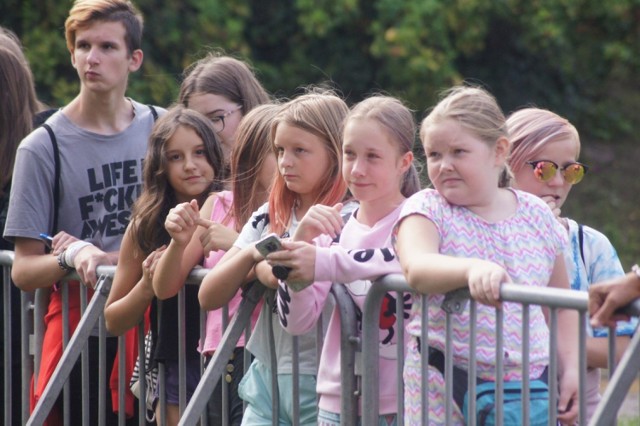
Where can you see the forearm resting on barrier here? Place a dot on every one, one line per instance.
(32, 267)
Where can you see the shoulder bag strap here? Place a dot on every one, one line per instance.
(153, 112)
(56, 182)
(581, 242)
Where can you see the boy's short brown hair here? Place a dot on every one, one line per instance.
(85, 12)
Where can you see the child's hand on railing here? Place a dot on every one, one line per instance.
(606, 297)
(484, 280)
(149, 265)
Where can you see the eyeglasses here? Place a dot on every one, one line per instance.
(545, 170)
(218, 120)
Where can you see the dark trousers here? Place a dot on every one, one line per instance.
(234, 402)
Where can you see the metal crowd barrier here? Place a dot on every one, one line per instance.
(74, 348)
(359, 362)
(554, 299)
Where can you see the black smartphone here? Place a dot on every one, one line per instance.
(269, 244)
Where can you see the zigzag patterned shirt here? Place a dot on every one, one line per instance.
(525, 244)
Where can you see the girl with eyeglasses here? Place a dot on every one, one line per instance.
(544, 160)
(472, 231)
(223, 89)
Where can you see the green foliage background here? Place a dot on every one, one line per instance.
(579, 58)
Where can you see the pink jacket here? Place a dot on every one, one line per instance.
(349, 261)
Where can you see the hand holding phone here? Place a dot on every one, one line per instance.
(267, 245)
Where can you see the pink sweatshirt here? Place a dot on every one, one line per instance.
(214, 324)
(349, 261)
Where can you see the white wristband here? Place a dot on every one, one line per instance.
(73, 249)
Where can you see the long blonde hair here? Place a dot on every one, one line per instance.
(476, 110)
(320, 112)
(253, 145)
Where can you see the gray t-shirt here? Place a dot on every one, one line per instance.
(256, 228)
(100, 178)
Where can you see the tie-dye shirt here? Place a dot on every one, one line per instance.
(526, 244)
(600, 263)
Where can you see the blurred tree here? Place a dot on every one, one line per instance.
(577, 57)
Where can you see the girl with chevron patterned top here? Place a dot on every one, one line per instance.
(473, 231)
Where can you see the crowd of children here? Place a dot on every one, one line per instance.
(228, 165)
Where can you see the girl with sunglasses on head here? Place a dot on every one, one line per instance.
(544, 160)
(472, 231)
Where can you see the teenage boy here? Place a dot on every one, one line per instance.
(101, 139)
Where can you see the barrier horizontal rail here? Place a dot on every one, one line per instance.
(554, 298)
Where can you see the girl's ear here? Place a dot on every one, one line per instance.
(405, 161)
(502, 148)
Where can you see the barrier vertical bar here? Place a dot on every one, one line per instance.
(448, 369)
(424, 358)
(401, 355)
(6, 333)
(499, 366)
(122, 356)
(84, 364)
(142, 375)
(295, 370)
(582, 361)
(41, 304)
(553, 365)
(65, 343)
(204, 419)
(473, 361)
(370, 343)
(349, 344)
(182, 354)
(27, 349)
(526, 394)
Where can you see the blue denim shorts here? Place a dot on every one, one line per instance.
(255, 390)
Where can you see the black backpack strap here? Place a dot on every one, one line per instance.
(56, 182)
(153, 112)
(581, 242)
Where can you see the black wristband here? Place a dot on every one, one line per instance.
(281, 272)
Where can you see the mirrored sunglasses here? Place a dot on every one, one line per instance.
(545, 170)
